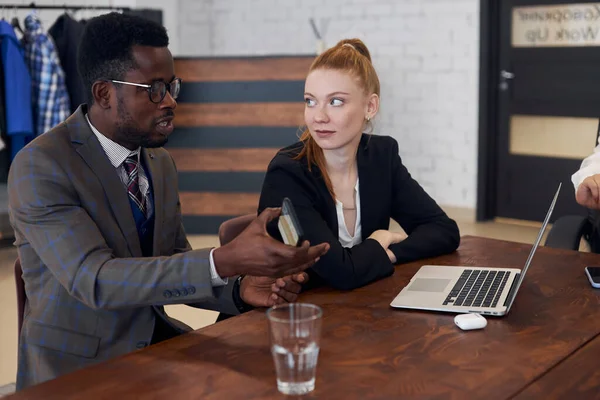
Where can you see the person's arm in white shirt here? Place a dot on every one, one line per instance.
(590, 166)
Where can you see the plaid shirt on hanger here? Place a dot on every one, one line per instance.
(49, 93)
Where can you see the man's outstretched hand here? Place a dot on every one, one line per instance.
(254, 252)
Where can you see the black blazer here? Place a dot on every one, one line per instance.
(386, 191)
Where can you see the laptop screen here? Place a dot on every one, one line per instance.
(513, 293)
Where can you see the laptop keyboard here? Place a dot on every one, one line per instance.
(478, 288)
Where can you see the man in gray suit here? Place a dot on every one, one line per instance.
(97, 219)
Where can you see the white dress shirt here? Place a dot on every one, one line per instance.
(590, 166)
(117, 154)
(346, 240)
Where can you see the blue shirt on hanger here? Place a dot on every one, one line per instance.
(50, 97)
(17, 86)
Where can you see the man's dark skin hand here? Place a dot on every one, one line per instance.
(273, 271)
(266, 292)
(253, 252)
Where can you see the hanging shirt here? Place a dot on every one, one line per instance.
(4, 155)
(19, 120)
(66, 34)
(2, 117)
(49, 92)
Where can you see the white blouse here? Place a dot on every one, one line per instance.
(344, 236)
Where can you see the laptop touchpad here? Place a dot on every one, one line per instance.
(429, 285)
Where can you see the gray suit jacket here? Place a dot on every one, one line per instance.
(91, 294)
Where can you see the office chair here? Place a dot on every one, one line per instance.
(21, 296)
(567, 232)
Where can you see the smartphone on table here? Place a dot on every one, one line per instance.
(289, 226)
(593, 274)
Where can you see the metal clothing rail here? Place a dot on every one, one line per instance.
(59, 7)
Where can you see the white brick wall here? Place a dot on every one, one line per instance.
(425, 51)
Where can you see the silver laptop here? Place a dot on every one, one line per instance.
(489, 291)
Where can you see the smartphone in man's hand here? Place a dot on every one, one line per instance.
(289, 226)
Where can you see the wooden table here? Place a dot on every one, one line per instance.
(547, 347)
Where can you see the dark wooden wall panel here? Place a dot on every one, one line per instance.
(240, 114)
(207, 203)
(243, 69)
(232, 116)
(248, 160)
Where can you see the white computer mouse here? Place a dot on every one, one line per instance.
(468, 322)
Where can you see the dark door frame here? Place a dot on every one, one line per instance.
(490, 22)
(489, 70)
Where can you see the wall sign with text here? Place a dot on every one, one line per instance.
(562, 25)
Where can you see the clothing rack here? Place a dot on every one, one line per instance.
(33, 6)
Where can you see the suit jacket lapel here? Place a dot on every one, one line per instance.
(156, 177)
(89, 148)
(367, 178)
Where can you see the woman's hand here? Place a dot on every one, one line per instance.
(387, 238)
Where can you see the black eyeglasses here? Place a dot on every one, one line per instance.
(158, 89)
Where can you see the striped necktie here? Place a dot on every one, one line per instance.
(132, 167)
